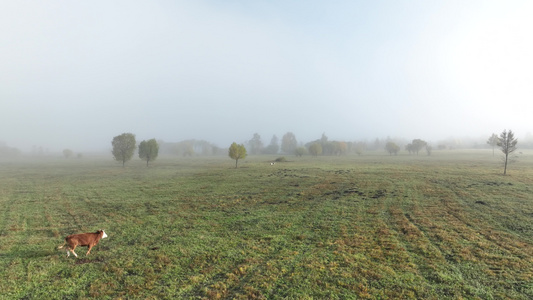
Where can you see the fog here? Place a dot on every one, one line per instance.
(74, 74)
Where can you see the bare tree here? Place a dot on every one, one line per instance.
(507, 144)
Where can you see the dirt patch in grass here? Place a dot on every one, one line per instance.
(86, 260)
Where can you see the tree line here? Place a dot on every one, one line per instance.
(124, 147)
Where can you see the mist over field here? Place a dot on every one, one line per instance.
(76, 74)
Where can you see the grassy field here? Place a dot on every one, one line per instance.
(447, 226)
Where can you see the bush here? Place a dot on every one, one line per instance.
(281, 159)
(300, 151)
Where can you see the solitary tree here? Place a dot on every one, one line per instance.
(392, 148)
(148, 150)
(493, 141)
(123, 147)
(507, 144)
(237, 152)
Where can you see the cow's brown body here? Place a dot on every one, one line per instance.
(83, 239)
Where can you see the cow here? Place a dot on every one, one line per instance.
(83, 239)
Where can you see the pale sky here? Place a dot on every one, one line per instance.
(74, 74)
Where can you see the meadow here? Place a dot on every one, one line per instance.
(445, 226)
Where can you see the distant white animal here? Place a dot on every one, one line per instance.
(272, 164)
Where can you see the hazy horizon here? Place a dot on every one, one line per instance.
(76, 74)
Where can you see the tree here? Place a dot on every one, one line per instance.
(67, 153)
(273, 148)
(300, 151)
(288, 143)
(315, 149)
(507, 144)
(342, 147)
(123, 147)
(493, 141)
(360, 147)
(392, 148)
(237, 152)
(409, 148)
(417, 145)
(148, 150)
(429, 149)
(256, 145)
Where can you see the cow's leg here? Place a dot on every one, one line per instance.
(89, 251)
(72, 249)
(68, 253)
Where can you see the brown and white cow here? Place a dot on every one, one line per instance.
(83, 239)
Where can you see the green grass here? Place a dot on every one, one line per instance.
(370, 227)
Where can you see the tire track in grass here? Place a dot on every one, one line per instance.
(460, 235)
(367, 257)
(418, 218)
(7, 206)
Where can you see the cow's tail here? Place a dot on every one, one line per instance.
(61, 247)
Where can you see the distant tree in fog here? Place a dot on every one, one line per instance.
(323, 139)
(67, 153)
(359, 148)
(6, 151)
(188, 148)
(417, 145)
(273, 148)
(340, 148)
(334, 148)
(315, 149)
(237, 152)
(256, 145)
(409, 148)
(300, 151)
(507, 144)
(392, 148)
(123, 147)
(493, 142)
(288, 143)
(148, 150)
(377, 144)
(429, 149)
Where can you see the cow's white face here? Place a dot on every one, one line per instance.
(104, 235)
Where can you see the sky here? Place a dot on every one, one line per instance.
(74, 74)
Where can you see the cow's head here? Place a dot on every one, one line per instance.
(103, 233)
